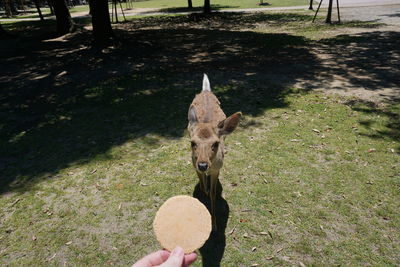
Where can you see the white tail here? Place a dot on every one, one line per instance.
(206, 83)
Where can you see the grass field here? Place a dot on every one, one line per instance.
(91, 145)
(219, 4)
(179, 5)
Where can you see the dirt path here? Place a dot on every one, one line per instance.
(367, 64)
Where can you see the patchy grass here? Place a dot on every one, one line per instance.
(89, 152)
(225, 4)
(292, 22)
(41, 29)
(323, 188)
(299, 22)
(180, 6)
(296, 22)
(32, 12)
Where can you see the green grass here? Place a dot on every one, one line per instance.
(297, 22)
(323, 196)
(308, 177)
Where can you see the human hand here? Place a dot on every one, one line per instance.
(163, 258)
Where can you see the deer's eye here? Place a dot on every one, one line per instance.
(193, 144)
(215, 146)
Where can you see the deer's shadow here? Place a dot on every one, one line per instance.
(214, 248)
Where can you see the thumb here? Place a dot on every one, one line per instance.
(175, 259)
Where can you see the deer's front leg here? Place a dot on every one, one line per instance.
(213, 198)
(203, 182)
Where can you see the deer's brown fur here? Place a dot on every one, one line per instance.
(208, 126)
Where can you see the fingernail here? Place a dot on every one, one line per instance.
(178, 251)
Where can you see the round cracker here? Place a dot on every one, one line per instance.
(182, 221)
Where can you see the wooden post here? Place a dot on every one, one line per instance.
(316, 13)
(116, 11)
(38, 9)
(51, 7)
(7, 7)
(122, 10)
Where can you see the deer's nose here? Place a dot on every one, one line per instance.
(202, 166)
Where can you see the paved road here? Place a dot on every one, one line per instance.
(361, 3)
(388, 14)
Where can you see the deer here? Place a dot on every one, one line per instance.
(208, 126)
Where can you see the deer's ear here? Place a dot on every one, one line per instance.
(192, 116)
(228, 125)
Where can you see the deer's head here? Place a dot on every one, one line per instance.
(207, 140)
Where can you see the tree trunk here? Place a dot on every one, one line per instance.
(311, 7)
(22, 6)
(207, 6)
(51, 7)
(329, 16)
(64, 21)
(190, 5)
(38, 9)
(7, 6)
(102, 31)
(14, 8)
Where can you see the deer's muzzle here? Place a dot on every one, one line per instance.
(202, 166)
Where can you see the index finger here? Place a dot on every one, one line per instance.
(189, 259)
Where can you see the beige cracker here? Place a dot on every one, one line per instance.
(182, 221)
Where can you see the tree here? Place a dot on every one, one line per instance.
(311, 7)
(207, 6)
(64, 21)
(7, 7)
(329, 16)
(21, 5)
(190, 5)
(102, 31)
(38, 9)
(51, 7)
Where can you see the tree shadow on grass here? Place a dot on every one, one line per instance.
(194, 9)
(397, 14)
(389, 111)
(64, 103)
(56, 113)
(29, 29)
(219, 20)
(34, 15)
(36, 31)
(213, 250)
(369, 60)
